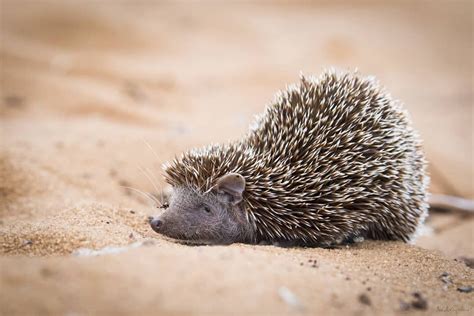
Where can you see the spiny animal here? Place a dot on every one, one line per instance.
(330, 159)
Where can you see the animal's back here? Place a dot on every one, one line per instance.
(338, 159)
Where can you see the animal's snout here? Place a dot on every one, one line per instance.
(155, 224)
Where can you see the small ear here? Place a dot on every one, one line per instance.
(232, 185)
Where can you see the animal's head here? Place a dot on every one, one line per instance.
(217, 216)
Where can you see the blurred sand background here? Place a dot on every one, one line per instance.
(85, 84)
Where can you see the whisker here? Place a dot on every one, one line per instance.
(158, 159)
(158, 183)
(147, 195)
(149, 179)
(151, 148)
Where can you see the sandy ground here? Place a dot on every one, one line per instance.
(86, 85)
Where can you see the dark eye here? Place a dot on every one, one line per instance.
(165, 206)
(207, 208)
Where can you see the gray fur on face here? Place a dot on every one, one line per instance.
(204, 218)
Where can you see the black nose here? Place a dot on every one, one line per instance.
(155, 224)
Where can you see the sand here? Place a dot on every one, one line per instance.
(88, 88)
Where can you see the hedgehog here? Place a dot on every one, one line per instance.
(332, 159)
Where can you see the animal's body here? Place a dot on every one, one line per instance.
(331, 158)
